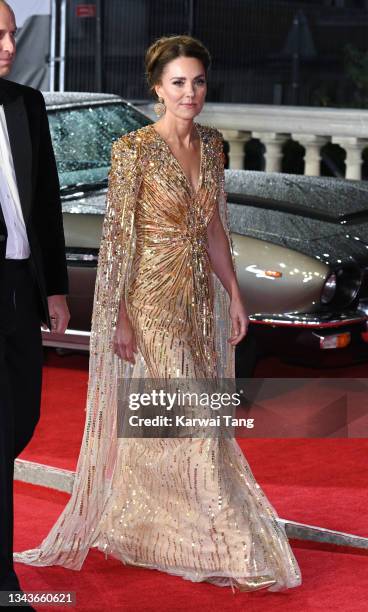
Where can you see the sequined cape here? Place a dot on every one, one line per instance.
(153, 252)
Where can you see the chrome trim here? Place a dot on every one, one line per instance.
(308, 320)
(81, 257)
(77, 104)
(82, 194)
(363, 306)
(72, 339)
(69, 105)
(330, 278)
(79, 340)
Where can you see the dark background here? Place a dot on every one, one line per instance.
(259, 54)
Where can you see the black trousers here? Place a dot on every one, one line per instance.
(20, 386)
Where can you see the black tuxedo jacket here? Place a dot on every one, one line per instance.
(38, 187)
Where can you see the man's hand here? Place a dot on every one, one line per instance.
(59, 313)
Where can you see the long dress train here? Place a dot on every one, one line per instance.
(187, 506)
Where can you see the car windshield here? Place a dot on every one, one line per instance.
(82, 139)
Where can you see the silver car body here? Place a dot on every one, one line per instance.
(286, 231)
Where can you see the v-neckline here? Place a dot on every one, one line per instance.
(193, 191)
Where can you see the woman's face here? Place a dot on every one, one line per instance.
(183, 87)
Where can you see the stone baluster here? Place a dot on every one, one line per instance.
(354, 148)
(236, 140)
(273, 143)
(312, 158)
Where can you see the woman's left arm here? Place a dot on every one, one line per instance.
(222, 264)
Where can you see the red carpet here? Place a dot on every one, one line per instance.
(59, 432)
(320, 482)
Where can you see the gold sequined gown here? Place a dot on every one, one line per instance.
(187, 506)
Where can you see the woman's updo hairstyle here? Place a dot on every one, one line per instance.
(168, 48)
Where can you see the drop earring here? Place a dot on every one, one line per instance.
(160, 107)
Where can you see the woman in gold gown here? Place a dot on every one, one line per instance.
(167, 306)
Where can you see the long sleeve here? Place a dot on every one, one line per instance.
(117, 243)
(48, 221)
(226, 352)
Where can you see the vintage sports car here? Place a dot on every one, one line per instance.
(300, 243)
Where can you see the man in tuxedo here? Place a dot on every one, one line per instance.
(33, 272)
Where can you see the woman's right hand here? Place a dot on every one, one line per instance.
(124, 340)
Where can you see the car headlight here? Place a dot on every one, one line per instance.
(329, 289)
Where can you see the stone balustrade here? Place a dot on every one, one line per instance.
(311, 127)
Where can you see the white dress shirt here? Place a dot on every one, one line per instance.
(17, 246)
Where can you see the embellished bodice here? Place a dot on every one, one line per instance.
(171, 268)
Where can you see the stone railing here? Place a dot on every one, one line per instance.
(311, 127)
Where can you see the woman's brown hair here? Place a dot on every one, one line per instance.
(168, 48)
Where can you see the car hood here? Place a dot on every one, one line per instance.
(324, 218)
